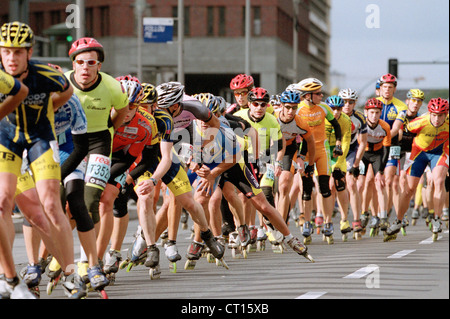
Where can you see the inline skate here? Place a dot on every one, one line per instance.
(172, 255)
(328, 231)
(152, 262)
(307, 232)
(345, 229)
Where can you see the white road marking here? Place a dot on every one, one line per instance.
(362, 272)
(402, 253)
(312, 295)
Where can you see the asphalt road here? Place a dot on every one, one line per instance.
(412, 267)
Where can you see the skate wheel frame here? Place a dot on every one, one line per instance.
(173, 267)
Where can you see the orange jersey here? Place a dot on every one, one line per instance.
(293, 129)
(378, 136)
(315, 118)
(133, 136)
(427, 136)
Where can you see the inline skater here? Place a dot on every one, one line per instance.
(430, 146)
(314, 113)
(414, 100)
(375, 158)
(294, 130)
(339, 164)
(241, 84)
(31, 127)
(358, 145)
(105, 104)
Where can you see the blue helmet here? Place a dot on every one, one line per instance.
(334, 101)
(290, 97)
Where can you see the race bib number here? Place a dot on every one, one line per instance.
(394, 152)
(98, 170)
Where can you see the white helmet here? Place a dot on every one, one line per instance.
(348, 94)
(169, 93)
(293, 87)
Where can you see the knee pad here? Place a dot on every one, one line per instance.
(268, 192)
(92, 201)
(121, 206)
(307, 187)
(75, 191)
(324, 186)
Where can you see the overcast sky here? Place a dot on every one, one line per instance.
(410, 30)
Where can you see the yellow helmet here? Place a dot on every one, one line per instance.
(16, 35)
(149, 93)
(415, 94)
(309, 85)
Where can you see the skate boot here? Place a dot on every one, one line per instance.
(234, 243)
(32, 278)
(365, 217)
(98, 280)
(54, 273)
(14, 289)
(276, 239)
(82, 269)
(414, 217)
(299, 248)
(374, 225)
(245, 239)
(193, 254)
(328, 231)
(253, 239)
(384, 224)
(318, 221)
(345, 229)
(172, 255)
(357, 228)
(74, 287)
(261, 238)
(436, 228)
(112, 265)
(307, 231)
(216, 249)
(152, 262)
(392, 231)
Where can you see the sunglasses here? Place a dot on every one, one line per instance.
(318, 93)
(288, 107)
(88, 62)
(261, 104)
(241, 93)
(349, 102)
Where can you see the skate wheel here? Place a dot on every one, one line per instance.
(307, 240)
(330, 240)
(210, 258)
(309, 257)
(103, 294)
(435, 236)
(129, 266)
(403, 231)
(344, 237)
(235, 253)
(413, 222)
(363, 232)
(173, 268)
(154, 273)
(244, 253)
(324, 238)
(221, 262)
(357, 236)
(124, 264)
(190, 265)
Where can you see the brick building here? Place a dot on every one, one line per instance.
(214, 39)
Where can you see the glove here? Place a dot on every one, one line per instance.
(354, 171)
(339, 181)
(338, 151)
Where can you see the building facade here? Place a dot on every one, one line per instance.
(214, 39)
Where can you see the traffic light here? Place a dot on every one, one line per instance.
(393, 67)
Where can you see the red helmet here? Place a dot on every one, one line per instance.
(84, 45)
(242, 81)
(388, 78)
(258, 94)
(373, 103)
(438, 105)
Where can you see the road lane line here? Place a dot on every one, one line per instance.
(361, 272)
(312, 295)
(402, 253)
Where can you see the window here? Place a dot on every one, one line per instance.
(222, 21)
(187, 30)
(210, 21)
(104, 21)
(256, 20)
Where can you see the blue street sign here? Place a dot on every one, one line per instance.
(158, 30)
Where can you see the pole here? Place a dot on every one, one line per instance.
(295, 42)
(247, 36)
(80, 31)
(139, 7)
(180, 41)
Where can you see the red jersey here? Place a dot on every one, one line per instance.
(133, 136)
